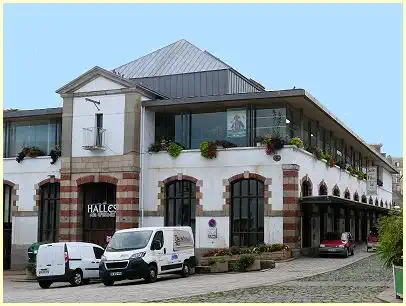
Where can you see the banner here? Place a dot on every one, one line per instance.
(236, 123)
(372, 175)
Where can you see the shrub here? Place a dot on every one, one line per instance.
(267, 139)
(390, 248)
(155, 147)
(317, 153)
(174, 150)
(208, 149)
(244, 262)
(341, 164)
(296, 141)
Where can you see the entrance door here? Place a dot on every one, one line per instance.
(98, 223)
(7, 226)
(323, 215)
(306, 227)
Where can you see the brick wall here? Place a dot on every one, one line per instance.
(291, 207)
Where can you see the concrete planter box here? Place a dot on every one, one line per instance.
(219, 267)
(204, 261)
(267, 264)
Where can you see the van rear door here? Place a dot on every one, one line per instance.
(51, 260)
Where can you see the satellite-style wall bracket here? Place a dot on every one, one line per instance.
(94, 102)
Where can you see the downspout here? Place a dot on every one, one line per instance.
(141, 181)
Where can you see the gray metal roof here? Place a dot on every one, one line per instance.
(32, 112)
(177, 58)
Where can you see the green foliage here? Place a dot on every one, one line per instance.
(155, 147)
(390, 248)
(341, 164)
(296, 141)
(244, 262)
(31, 268)
(225, 144)
(234, 250)
(318, 153)
(174, 150)
(208, 149)
(267, 139)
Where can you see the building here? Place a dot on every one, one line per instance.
(397, 183)
(107, 177)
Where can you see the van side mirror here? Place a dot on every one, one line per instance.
(156, 245)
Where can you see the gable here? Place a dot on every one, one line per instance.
(100, 83)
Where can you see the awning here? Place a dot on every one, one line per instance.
(337, 201)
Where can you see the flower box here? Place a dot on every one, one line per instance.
(267, 264)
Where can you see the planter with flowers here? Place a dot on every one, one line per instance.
(273, 144)
(296, 141)
(208, 149)
(30, 152)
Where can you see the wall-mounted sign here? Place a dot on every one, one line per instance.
(372, 175)
(276, 157)
(101, 210)
(236, 123)
(212, 222)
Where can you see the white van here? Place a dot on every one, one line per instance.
(73, 262)
(147, 252)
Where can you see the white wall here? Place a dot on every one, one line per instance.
(27, 174)
(100, 83)
(24, 230)
(273, 228)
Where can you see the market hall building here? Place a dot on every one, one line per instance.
(108, 178)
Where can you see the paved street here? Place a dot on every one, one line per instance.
(277, 285)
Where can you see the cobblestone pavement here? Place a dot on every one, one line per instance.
(359, 282)
(170, 287)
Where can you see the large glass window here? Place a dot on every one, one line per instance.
(7, 203)
(313, 134)
(306, 132)
(292, 123)
(327, 140)
(181, 204)
(42, 134)
(212, 127)
(49, 212)
(322, 137)
(270, 121)
(247, 215)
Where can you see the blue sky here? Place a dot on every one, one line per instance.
(348, 56)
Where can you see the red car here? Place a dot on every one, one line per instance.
(337, 244)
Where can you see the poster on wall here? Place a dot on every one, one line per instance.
(371, 180)
(236, 123)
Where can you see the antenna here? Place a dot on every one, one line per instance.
(94, 102)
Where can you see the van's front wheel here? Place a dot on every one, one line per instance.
(45, 284)
(152, 274)
(185, 270)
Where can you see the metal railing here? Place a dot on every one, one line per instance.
(94, 138)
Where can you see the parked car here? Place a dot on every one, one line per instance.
(73, 262)
(147, 252)
(372, 241)
(337, 244)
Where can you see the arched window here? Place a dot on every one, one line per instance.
(386, 204)
(347, 194)
(247, 213)
(181, 204)
(381, 203)
(306, 189)
(48, 212)
(336, 191)
(376, 202)
(364, 199)
(370, 200)
(323, 189)
(356, 196)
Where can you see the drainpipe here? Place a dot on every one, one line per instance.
(141, 181)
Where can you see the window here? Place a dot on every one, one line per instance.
(371, 201)
(212, 127)
(313, 134)
(7, 203)
(99, 130)
(322, 137)
(49, 212)
(159, 236)
(43, 134)
(181, 204)
(327, 141)
(363, 198)
(336, 191)
(356, 197)
(247, 215)
(323, 189)
(306, 189)
(347, 194)
(306, 131)
(270, 121)
(98, 252)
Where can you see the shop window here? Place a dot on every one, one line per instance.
(49, 212)
(370, 200)
(336, 191)
(323, 189)
(181, 204)
(347, 194)
(364, 198)
(247, 213)
(356, 197)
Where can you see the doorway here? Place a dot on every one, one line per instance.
(7, 226)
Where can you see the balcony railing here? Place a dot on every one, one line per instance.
(94, 138)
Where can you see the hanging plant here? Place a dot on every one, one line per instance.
(174, 150)
(273, 144)
(55, 154)
(208, 149)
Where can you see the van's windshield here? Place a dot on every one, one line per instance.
(127, 241)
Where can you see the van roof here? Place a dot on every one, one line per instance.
(71, 243)
(152, 228)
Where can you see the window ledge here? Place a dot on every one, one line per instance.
(26, 158)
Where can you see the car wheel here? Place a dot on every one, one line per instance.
(185, 270)
(76, 278)
(86, 281)
(45, 284)
(152, 274)
(347, 252)
(352, 252)
(108, 282)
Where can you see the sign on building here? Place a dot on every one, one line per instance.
(236, 123)
(101, 210)
(372, 175)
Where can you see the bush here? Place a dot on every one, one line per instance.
(174, 150)
(341, 164)
(390, 248)
(155, 147)
(318, 153)
(296, 141)
(244, 262)
(208, 149)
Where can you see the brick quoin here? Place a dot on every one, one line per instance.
(290, 187)
(69, 213)
(108, 179)
(85, 180)
(290, 173)
(68, 189)
(127, 188)
(127, 213)
(131, 175)
(65, 177)
(127, 201)
(68, 200)
(291, 209)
